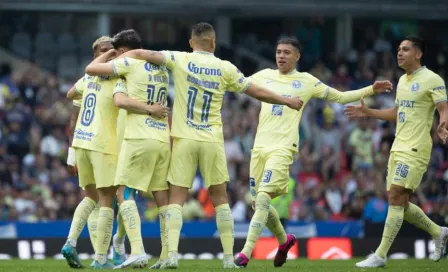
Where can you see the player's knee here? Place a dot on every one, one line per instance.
(129, 193)
(262, 201)
(397, 196)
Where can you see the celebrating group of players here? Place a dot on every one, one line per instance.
(121, 142)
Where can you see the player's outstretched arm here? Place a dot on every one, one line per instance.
(364, 111)
(100, 66)
(442, 129)
(154, 57)
(124, 102)
(352, 96)
(270, 97)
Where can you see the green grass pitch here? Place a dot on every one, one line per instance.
(300, 265)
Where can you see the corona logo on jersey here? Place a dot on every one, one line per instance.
(266, 248)
(329, 249)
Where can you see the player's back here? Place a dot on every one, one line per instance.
(201, 80)
(97, 121)
(417, 95)
(146, 83)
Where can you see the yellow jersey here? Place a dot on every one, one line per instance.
(77, 102)
(201, 80)
(145, 82)
(96, 128)
(279, 125)
(417, 95)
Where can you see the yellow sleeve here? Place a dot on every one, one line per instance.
(170, 58)
(79, 86)
(77, 103)
(120, 86)
(323, 91)
(234, 79)
(258, 77)
(438, 91)
(122, 66)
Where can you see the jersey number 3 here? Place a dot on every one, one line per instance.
(207, 97)
(89, 110)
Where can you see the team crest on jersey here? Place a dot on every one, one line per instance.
(415, 87)
(297, 84)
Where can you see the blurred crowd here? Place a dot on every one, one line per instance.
(339, 173)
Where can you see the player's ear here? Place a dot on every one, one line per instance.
(213, 43)
(191, 43)
(298, 56)
(419, 55)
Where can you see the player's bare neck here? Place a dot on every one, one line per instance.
(287, 72)
(413, 69)
(203, 49)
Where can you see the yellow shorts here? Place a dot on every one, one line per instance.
(143, 164)
(269, 170)
(405, 169)
(188, 154)
(95, 168)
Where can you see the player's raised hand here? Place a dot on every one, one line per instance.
(294, 103)
(442, 131)
(356, 111)
(382, 86)
(158, 110)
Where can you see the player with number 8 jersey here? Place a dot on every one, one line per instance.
(95, 137)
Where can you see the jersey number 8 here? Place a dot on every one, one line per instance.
(89, 110)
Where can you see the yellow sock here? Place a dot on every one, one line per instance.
(121, 230)
(258, 222)
(394, 220)
(79, 221)
(275, 226)
(104, 232)
(224, 221)
(92, 223)
(131, 219)
(163, 233)
(418, 218)
(173, 226)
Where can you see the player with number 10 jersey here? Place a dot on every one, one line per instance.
(145, 152)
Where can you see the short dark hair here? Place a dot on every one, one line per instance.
(201, 28)
(417, 42)
(292, 41)
(128, 38)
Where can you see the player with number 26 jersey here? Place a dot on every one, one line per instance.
(95, 138)
(145, 153)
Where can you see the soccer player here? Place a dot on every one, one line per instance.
(145, 153)
(277, 141)
(201, 80)
(419, 92)
(87, 210)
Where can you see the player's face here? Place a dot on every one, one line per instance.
(408, 54)
(286, 57)
(102, 48)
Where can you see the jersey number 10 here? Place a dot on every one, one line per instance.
(161, 95)
(207, 97)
